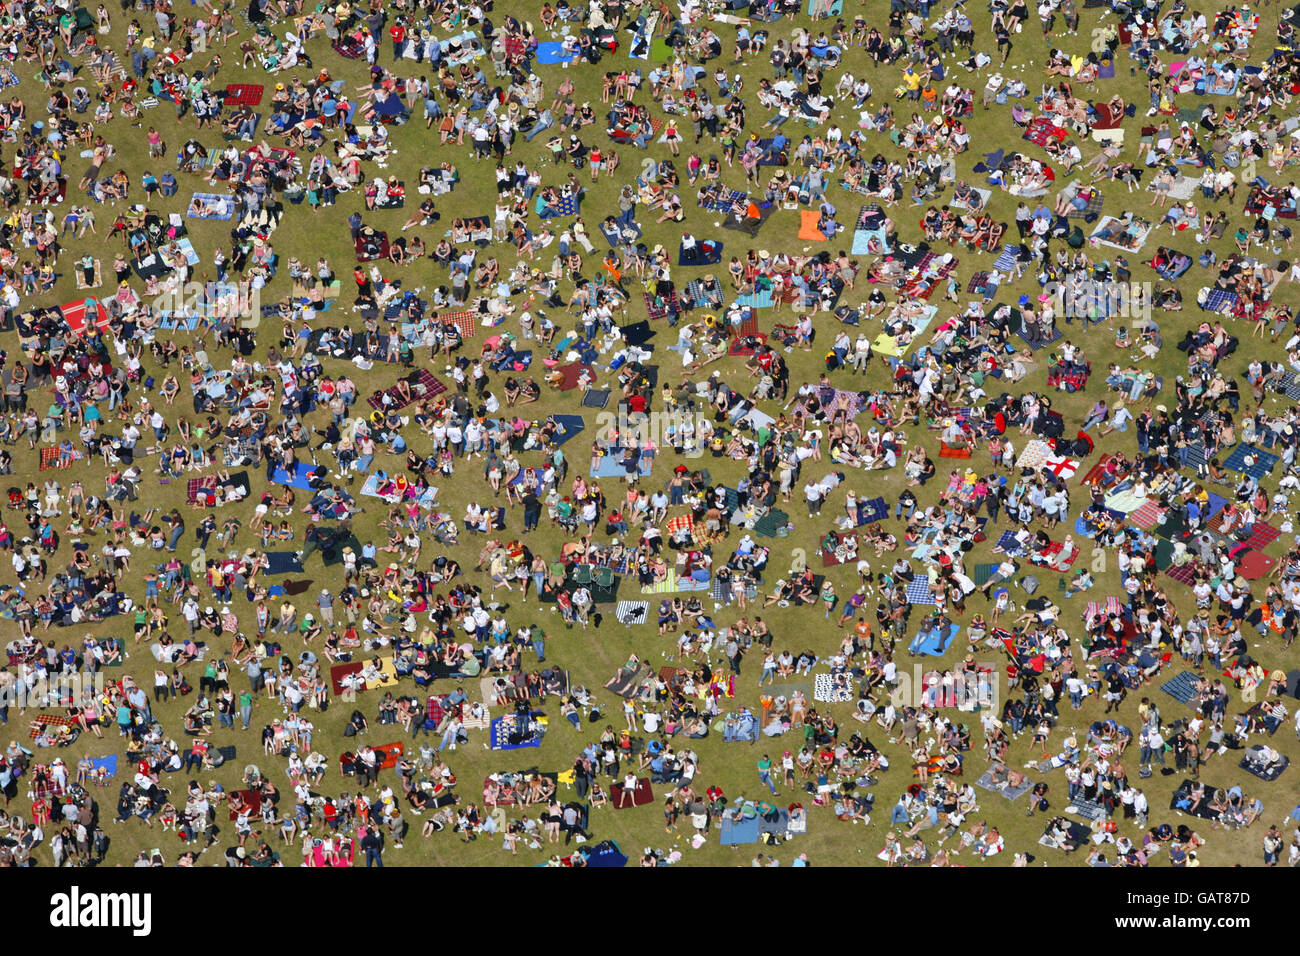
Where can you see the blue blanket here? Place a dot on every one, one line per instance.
(283, 562)
(744, 730)
(735, 832)
(502, 728)
(935, 641)
(297, 480)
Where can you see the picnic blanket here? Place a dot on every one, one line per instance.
(739, 825)
(626, 681)
(1135, 241)
(628, 613)
(243, 94)
(872, 511)
(219, 206)
(743, 728)
(1182, 688)
(933, 642)
(422, 385)
(42, 721)
(620, 799)
(827, 691)
(1254, 763)
(301, 477)
(918, 591)
(985, 782)
(506, 732)
(1251, 461)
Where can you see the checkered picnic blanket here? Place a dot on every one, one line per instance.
(1219, 300)
(927, 277)
(918, 591)
(1184, 575)
(1009, 544)
(349, 47)
(977, 281)
(871, 511)
(1288, 384)
(722, 591)
(243, 94)
(1263, 461)
(466, 322)
(725, 201)
(41, 721)
(1262, 533)
(1042, 130)
(1095, 200)
(49, 458)
(424, 386)
(694, 294)
(1146, 516)
(195, 485)
(868, 216)
(658, 308)
(1181, 687)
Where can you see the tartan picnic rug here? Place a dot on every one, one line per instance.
(195, 485)
(243, 94)
(659, 307)
(1147, 515)
(423, 385)
(1262, 533)
(41, 721)
(725, 201)
(466, 322)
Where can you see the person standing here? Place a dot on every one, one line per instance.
(246, 707)
(765, 773)
(373, 844)
(1272, 846)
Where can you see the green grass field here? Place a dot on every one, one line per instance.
(592, 656)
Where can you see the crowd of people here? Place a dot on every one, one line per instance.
(382, 486)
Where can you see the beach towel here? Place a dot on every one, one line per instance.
(552, 51)
(808, 230)
(300, 478)
(628, 613)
